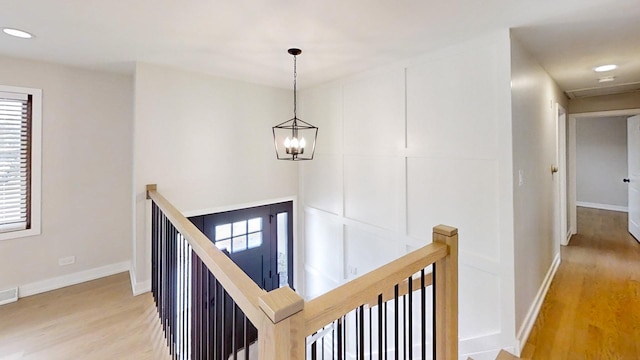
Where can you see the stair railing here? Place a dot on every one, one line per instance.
(210, 309)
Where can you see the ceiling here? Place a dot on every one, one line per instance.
(247, 39)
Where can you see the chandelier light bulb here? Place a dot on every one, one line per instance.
(303, 143)
(294, 143)
(287, 143)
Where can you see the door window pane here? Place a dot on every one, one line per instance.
(255, 224)
(239, 243)
(239, 228)
(283, 240)
(223, 232)
(255, 240)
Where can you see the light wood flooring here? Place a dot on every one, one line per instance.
(95, 320)
(592, 309)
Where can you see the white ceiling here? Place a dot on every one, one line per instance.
(247, 39)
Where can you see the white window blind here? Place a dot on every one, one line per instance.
(15, 161)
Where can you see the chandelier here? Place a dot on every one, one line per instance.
(295, 139)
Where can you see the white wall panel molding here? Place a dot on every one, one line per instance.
(480, 305)
(462, 193)
(435, 147)
(322, 180)
(479, 262)
(317, 284)
(365, 251)
(323, 244)
(374, 113)
(373, 188)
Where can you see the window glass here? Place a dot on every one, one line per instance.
(239, 243)
(255, 224)
(255, 240)
(283, 240)
(240, 228)
(223, 232)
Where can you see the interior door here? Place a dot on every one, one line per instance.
(633, 158)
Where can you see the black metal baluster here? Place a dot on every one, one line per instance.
(165, 278)
(395, 327)
(380, 323)
(410, 340)
(423, 313)
(339, 342)
(174, 292)
(361, 335)
(433, 309)
(404, 326)
(194, 307)
(314, 349)
(234, 350)
(154, 249)
(246, 338)
(370, 334)
(208, 351)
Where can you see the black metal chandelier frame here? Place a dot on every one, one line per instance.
(294, 147)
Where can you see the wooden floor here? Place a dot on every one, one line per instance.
(592, 309)
(96, 320)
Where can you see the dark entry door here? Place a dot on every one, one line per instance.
(259, 240)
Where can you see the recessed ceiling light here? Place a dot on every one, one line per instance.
(603, 68)
(17, 33)
(606, 79)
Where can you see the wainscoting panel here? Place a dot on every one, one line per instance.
(374, 113)
(322, 182)
(448, 112)
(373, 189)
(479, 306)
(323, 245)
(365, 251)
(455, 191)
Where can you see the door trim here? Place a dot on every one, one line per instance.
(298, 246)
(561, 160)
(571, 184)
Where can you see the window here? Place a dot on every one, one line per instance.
(239, 236)
(20, 148)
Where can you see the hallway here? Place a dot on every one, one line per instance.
(592, 309)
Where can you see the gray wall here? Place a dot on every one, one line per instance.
(601, 161)
(86, 177)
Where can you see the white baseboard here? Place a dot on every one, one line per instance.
(72, 279)
(534, 310)
(138, 288)
(602, 206)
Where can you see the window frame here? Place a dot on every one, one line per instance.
(36, 163)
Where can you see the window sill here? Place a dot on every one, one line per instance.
(16, 234)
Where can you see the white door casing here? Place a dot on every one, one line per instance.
(561, 221)
(633, 159)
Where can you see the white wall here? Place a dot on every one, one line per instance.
(207, 143)
(407, 147)
(86, 177)
(533, 96)
(601, 161)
